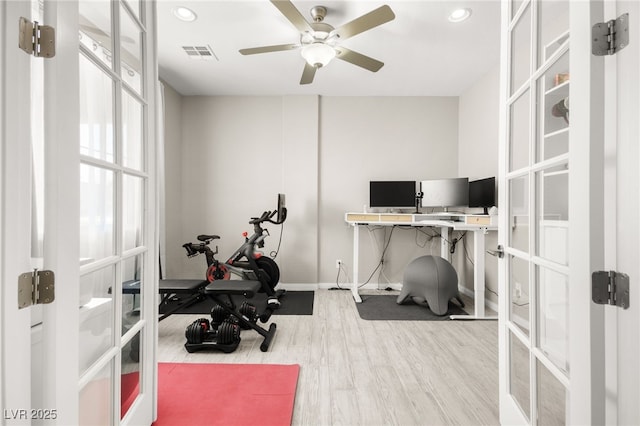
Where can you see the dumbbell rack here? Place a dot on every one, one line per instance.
(223, 332)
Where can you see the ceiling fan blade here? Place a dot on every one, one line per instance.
(376, 17)
(265, 49)
(308, 73)
(358, 59)
(293, 15)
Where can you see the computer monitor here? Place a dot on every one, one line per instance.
(482, 193)
(282, 209)
(392, 194)
(445, 193)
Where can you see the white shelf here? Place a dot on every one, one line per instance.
(558, 41)
(556, 133)
(562, 87)
(556, 173)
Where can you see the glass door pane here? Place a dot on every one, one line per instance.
(520, 132)
(133, 202)
(553, 27)
(553, 110)
(521, 51)
(130, 374)
(95, 30)
(97, 213)
(552, 397)
(519, 213)
(132, 134)
(96, 398)
(519, 293)
(96, 316)
(520, 383)
(130, 51)
(96, 118)
(553, 316)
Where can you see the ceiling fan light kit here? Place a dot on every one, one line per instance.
(320, 42)
(318, 54)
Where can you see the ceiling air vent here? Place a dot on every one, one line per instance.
(200, 52)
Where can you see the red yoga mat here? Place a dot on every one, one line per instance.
(226, 394)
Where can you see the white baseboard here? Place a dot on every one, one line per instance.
(370, 286)
(488, 303)
(298, 286)
(326, 286)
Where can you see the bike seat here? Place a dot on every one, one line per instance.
(207, 237)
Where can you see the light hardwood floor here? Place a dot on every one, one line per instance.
(357, 372)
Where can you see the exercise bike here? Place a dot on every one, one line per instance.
(246, 262)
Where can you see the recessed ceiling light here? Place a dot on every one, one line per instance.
(184, 14)
(459, 15)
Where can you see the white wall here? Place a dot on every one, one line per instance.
(478, 158)
(237, 153)
(232, 157)
(173, 180)
(381, 138)
(228, 157)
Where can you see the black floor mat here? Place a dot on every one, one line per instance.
(384, 307)
(291, 303)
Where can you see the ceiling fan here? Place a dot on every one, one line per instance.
(320, 42)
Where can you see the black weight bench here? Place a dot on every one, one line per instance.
(217, 290)
(193, 289)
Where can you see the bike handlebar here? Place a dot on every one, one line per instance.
(266, 217)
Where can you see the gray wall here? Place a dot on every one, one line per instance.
(237, 153)
(386, 138)
(228, 157)
(172, 180)
(478, 158)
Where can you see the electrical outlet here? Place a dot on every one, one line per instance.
(518, 290)
(338, 263)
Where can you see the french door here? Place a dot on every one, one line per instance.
(79, 197)
(550, 333)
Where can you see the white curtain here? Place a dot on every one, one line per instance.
(160, 176)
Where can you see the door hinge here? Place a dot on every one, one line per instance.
(608, 38)
(610, 288)
(35, 39)
(36, 288)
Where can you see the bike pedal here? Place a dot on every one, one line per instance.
(273, 303)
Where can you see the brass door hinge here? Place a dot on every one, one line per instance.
(36, 288)
(35, 39)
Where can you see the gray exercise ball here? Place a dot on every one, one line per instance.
(431, 280)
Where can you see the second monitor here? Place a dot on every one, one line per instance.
(445, 193)
(392, 194)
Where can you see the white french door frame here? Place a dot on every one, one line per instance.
(15, 181)
(586, 215)
(623, 232)
(61, 319)
(585, 382)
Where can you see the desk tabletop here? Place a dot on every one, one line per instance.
(457, 221)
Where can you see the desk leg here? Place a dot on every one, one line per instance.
(478, 272)
(356, 257)
(478, 280)
(444, 243)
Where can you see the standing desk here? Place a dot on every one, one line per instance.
(445, 222)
